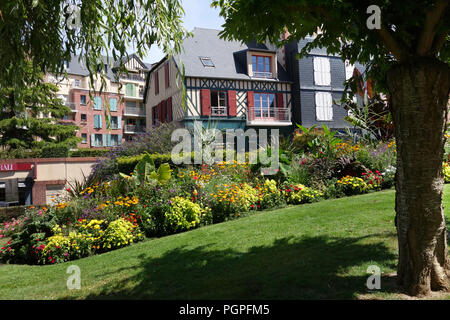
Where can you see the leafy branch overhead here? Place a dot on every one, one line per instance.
(49, 32)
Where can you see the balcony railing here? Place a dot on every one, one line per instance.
(133, 111)
(269, 116)
(132, 77)
(130, 128)
(265, 75)
(72, 106)
(219, 111)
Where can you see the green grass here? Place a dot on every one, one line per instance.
(315, 251)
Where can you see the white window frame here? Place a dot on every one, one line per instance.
(324, 106)
(322, 71)
(349, 69)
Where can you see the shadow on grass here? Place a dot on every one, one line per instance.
(290, 268)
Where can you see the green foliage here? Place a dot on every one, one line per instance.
(86, 153)
(144, 172)
(55, 152)
(446, 172)
(183, 214)
(119, 233)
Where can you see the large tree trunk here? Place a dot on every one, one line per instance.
(420, 92)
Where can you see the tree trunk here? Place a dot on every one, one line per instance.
(420, 92)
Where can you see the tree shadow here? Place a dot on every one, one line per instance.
(289, 268)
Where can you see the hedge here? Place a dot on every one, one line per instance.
(55, 152)
(7, 213)
(85, 152)
(126, 164)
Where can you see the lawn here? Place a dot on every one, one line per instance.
(314, 251)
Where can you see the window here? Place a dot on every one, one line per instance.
(114, 123)
(262, 66)
(83, 117)
(322, 75)
(218, 103)
(348, 70)
(98, 142)
(77, 82)
(324, 106)
(112, 104)
(264, 105)
(155, 116)
(97, 121)
(83, 99)
(84, 138)
(207, 62)
(130, 90)
(97, 103)
(113, 140)
(156, 83)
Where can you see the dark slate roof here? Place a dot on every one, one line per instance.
(78, 67)
(229, 57)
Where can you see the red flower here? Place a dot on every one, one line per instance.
(195, 178)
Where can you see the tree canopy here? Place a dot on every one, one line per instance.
(409, 29)
(49, 32)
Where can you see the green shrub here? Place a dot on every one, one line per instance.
(55, 152)
(120, 233)
(8, 213)
(127, 164)
(183, 214)
(86, 153)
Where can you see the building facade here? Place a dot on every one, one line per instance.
(108, 117)
(229, 85)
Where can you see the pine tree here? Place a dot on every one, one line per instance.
(30, 114)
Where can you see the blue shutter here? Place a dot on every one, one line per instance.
(119, 122)
(100, 121)
(108, 140)
(104, 142)
(119, 140)
(92, 140)
(97, 103)
(113, 104)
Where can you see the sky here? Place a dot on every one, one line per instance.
(198, 14)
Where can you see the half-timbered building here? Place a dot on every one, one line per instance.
(229, 85)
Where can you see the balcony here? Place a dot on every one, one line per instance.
(219, 111)
(134, 112)
(132, 77)
(269, 117)
(263, 75)
(72, 106)
(133, 129)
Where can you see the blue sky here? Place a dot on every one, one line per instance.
(198, 14)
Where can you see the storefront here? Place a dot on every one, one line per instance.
(36, 181)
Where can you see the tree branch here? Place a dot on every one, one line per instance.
(391, 44)
(428, 32)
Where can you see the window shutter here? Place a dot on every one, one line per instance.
(164, 111)
(159, 112)
(97, 103)
(324, 106)
(232, 108)
(104, 142)
(113, 104)
(92, 140)
(326, 71)
(280, 105)
(119, 139)
(119, 122)
(153, 115)
(205, 102)
(156, 78)
(251, 105)
(169, 110)
(95, 121)
(166, 69)
(108, 140)
(100, 122)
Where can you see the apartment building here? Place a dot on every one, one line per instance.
(109, 117)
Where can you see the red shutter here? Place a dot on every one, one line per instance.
(280, 105)
(169, 110)
(153, 115)
(232, 103)
(251, 105)
(159, 112)
(166, 69)
(206, 102)
(156, 83)
(163, 111)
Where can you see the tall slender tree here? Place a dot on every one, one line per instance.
(405, 45)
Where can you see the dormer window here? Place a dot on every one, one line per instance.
(207, 62)
(262, 66)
